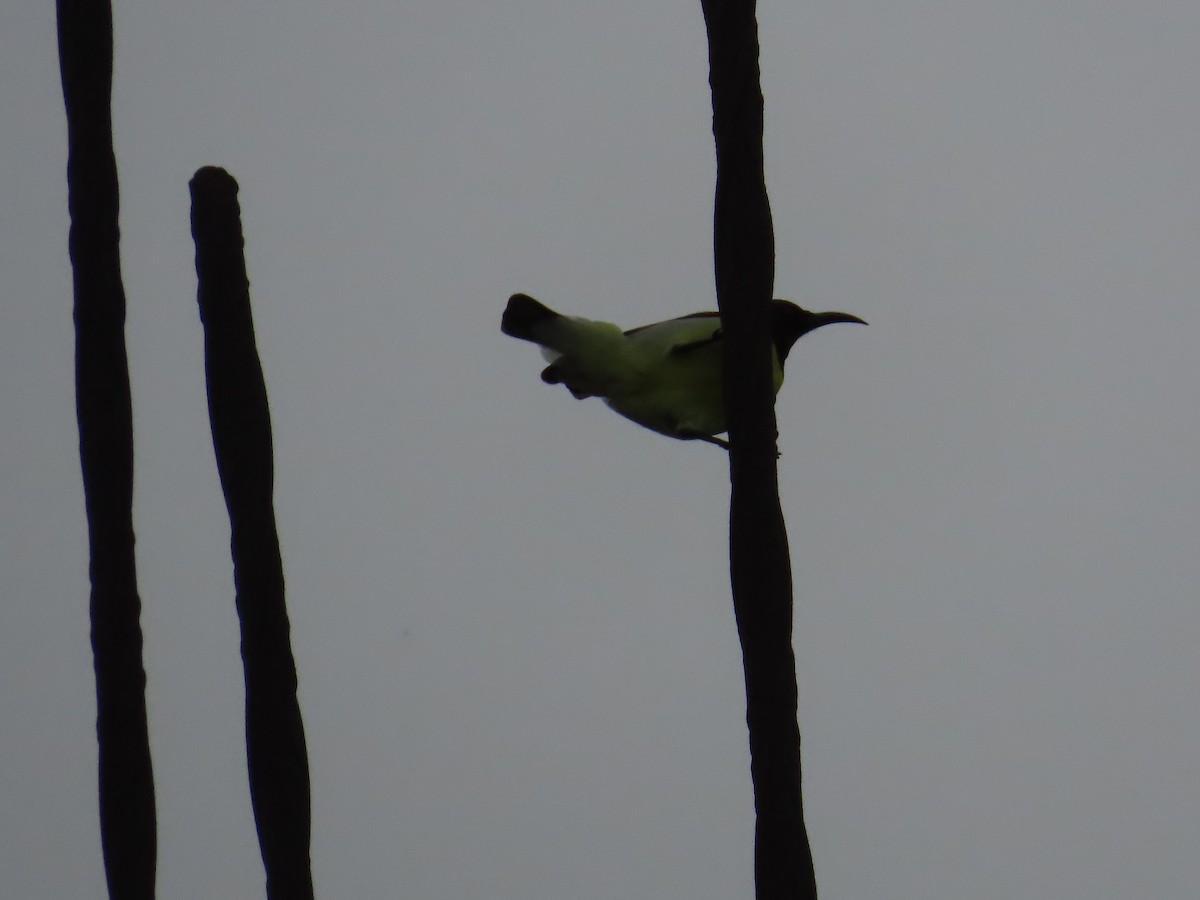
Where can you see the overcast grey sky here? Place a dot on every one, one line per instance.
(518, 665)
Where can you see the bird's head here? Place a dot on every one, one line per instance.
(789, 322)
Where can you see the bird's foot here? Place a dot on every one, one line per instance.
(685, 435)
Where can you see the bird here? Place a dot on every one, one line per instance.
(665, 376)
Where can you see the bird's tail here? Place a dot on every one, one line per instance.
(585, 355)
(527, 319)
(560, 335)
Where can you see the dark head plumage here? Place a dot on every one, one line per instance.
(790, 322)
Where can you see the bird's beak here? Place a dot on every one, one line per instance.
(829, 318)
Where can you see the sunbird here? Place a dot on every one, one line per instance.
(665, 376)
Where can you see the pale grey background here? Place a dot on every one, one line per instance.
(518, 665)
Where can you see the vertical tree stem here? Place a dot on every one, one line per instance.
(760, 568)
(103, 406)
(241, 428)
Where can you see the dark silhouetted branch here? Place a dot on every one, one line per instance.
(127, 823)
(241, 428)
(760, 569)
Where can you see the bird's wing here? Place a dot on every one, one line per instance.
(681, 335)
(667, 322)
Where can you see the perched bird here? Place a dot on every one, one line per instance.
(665, 376)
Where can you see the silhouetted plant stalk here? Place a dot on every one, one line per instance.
(760, 568)
(241, 429)
(126, 780)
